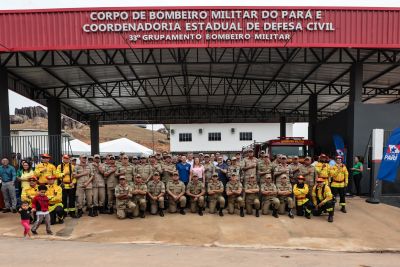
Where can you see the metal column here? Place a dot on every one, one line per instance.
(5, 149)
(94, 137)
(312, 116)
(282, 126)
(54, 126)
(355, 100)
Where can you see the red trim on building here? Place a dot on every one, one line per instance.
(62, 29)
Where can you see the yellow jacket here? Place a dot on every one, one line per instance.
(321, 194)
(54, 193)
(323, 171)
(65, 175)
(340, 176)
(300, 194)
(51, 170)
(28, 193)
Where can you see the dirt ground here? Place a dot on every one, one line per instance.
(365, 228)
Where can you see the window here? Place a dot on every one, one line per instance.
(185, 137)
(214, 136)
(246, 136)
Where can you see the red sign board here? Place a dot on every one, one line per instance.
(173, 27)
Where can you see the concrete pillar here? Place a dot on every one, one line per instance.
(5, 141)
(54, 126)
(282, 122)
(355, 100)
(94, 137)
(312, 116)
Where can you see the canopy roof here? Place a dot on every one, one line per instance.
(124, 145)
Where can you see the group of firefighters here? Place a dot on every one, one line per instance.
(129, 186)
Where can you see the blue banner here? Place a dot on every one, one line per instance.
(339, 145)
(390, 161)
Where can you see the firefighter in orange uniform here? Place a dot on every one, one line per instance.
(300, 191)
(340, 180)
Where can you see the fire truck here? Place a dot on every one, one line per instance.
(289, 146)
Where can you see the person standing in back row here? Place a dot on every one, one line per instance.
(357, 174)
(8, 176)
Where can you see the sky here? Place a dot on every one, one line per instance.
(300, 129)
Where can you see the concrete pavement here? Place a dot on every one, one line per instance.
(73, 253)
(365, 228)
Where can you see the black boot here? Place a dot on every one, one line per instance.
(201, 211)
(241, 212)
(343, 209)
(95, 211)
(330, 217)
(182, 211)
(91, 213)
(275, 213)
(80, 213)
(161, 212)
(102, 210)
(290, 214)
(72, 214)
(111, 210)
(257, 213)
(142, 214)
(308, 215)
(221, 213)
(129, 215)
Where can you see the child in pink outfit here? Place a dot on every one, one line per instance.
(25, 218)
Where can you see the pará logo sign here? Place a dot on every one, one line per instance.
(392, 152)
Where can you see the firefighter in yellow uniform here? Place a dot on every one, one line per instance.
(29, 192)
(323, 168)
(64, 173)
(45, 169)
(322, 199)
(300, 191)
(340, 180)
(54, 194)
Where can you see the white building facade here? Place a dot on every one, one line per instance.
(226, 137)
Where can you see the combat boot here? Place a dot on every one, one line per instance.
(111, 211)
(161, 212)
(102, 210)
(275, 213)
(343, 209)
(142, 214)
(72, 214)
(241, 212)
(308, 215)
(221, 213)
(182, 211)
(80, 212)
(129, 215)
(91, 214)
(330, 217)
(290, 214)
(95, 211)
(257, 213)
(201, 211)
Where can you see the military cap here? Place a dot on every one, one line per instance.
(156, 174)
(122, 177)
